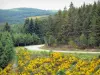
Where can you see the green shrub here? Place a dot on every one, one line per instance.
(72, 43)
(50, 40)
(61, 72)
(83, 41)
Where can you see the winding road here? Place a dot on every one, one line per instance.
(38, 48)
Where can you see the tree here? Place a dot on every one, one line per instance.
(37, 29)
(71, 20)
(26, 25)
(82, 25)
(6, 49)
(65, 12)
(58, 26)
(7, 27)
(22, 39)
(98, 24)
(31, 28)
(92, 40)
(83, 41)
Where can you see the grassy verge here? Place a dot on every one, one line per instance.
(69, 48)
(36, 54)
(86, 56)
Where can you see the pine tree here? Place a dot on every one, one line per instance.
(92, 40)
(37, 27)
(63, 33)
(98, 24)
(83, 41)
(26, 25)
(6, 49)
(71, 20)
(31, 28)
(58, 27)
(7, 27)
(51, 25)
(65, 12)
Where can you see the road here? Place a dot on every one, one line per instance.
(37, 48)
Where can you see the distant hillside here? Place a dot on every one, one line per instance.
(17, 15)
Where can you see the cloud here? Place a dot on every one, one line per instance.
(42, 4)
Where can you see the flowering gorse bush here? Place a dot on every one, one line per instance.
(55, 64)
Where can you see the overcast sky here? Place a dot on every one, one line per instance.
(41, 4)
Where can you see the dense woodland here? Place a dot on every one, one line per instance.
(76, 26)
(79, 27)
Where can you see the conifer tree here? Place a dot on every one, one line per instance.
(83, 41)
(31, 28)
(7, 27)
(6, 49)
(26, 25)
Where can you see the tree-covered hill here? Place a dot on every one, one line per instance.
(17, 15)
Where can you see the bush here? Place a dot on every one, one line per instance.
(50, 41)
(92, 41)
(6, 49)
(72, 43)
(83, 41)
(61, 72)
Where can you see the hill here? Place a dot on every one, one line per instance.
(17, 15)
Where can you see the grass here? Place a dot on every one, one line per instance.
(36, 54)
(86, 56)
(69, 48)
(78, 55)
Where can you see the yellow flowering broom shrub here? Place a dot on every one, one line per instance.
(55, 64)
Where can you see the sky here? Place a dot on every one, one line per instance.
(42, 4)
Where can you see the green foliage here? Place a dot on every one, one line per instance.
(61, 72)
(31, 27)
(26, 25)
(50, 40)
(73, 44)
(7, 27)
(37, 29)
(92, 40)
(83, 41)
(75, 23)
(6, 49)
(21, 39)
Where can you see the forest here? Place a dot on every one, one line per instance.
(78, 27)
